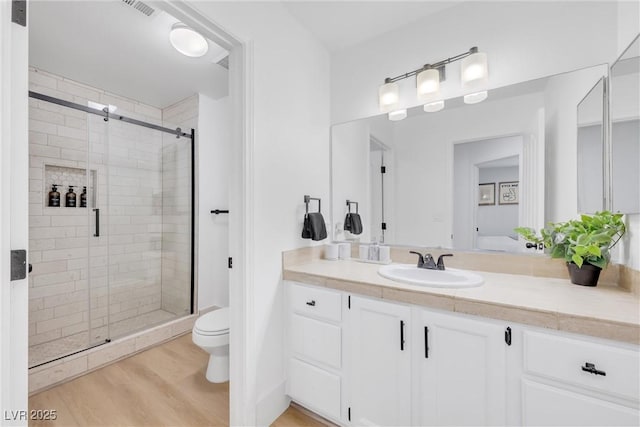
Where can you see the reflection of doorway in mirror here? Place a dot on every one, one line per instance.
(487, 163)
(378, 156)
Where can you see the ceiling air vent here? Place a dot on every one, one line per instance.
(140, 7)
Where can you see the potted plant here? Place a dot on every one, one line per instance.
(584, 243)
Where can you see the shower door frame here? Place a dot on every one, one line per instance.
(178, 133)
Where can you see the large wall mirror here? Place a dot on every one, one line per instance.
(466, 176)
(625, 130)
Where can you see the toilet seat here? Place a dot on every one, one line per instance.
(213, 323)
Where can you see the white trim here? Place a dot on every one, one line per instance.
(243, 360)
(14, 208)
(272, 404)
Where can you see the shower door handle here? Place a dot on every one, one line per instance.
(97, 233)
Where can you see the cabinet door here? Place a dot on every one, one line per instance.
(380, 363)
(544, 405)
(462, 371)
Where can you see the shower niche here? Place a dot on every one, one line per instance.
(64, 177)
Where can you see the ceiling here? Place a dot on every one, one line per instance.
(342, 24)
(113, 46)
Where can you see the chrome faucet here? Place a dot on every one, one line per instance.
(428, 262)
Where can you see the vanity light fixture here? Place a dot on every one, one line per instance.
(187, 41)
(474, 76)
(398, 115)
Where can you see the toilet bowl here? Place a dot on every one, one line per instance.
(211, 333)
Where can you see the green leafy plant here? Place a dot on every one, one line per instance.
(588, 239)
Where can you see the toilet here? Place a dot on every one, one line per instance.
(211, 333)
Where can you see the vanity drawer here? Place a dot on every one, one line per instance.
(316, 340)
(320, 303)
(315, 388)
(563, 359)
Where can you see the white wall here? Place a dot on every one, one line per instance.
(290, 159)
(213, 159)
(350, 177)
(523, 41)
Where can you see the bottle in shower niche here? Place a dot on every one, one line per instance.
(83, 198)
(54, 196)
(70, 198)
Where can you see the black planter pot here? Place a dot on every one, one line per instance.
(587, 275)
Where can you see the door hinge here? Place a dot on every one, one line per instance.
(230, 262)
(349, 413)
(18, 264)
(19, 12)
(383, 169)
(384, 225)
(507, 335)
(349, 302)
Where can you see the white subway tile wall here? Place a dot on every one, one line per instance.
(85, 288)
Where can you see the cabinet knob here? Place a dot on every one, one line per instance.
(591, 368)
(312, 303)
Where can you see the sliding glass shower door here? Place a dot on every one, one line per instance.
(119, 259)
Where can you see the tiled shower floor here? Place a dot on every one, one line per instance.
(50, 350)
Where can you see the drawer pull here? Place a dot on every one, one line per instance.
(312, 303)
(591, 368)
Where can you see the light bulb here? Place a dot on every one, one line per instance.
(397, 115)
(474, 72)
(428, 83)
(388, 97)
(474, 98)
(434, 106)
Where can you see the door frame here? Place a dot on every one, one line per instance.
(14, 229)
(14, 220)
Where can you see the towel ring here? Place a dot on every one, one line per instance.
(349, 203)
(308, 199)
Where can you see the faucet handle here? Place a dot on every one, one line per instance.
(420, 258)
(440, 265)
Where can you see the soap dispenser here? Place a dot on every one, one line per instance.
(83, 198)
(54, 196)
(70, 198)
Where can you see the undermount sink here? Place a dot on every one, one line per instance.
(449, 278)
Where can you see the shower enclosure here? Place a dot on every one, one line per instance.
(123, 260)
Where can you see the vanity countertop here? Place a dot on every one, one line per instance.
(604, 311)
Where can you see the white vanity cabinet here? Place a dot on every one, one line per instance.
(573, 380)
(314, 359)
(366, 361)
(461, 369)
(380, 363)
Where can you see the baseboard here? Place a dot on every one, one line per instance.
(272, 404)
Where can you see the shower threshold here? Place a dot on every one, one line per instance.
(50, 351)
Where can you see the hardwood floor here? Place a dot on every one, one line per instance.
(163, 386)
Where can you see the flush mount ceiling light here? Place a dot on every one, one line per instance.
(397, 115)
(187, 41)
(474, 76)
